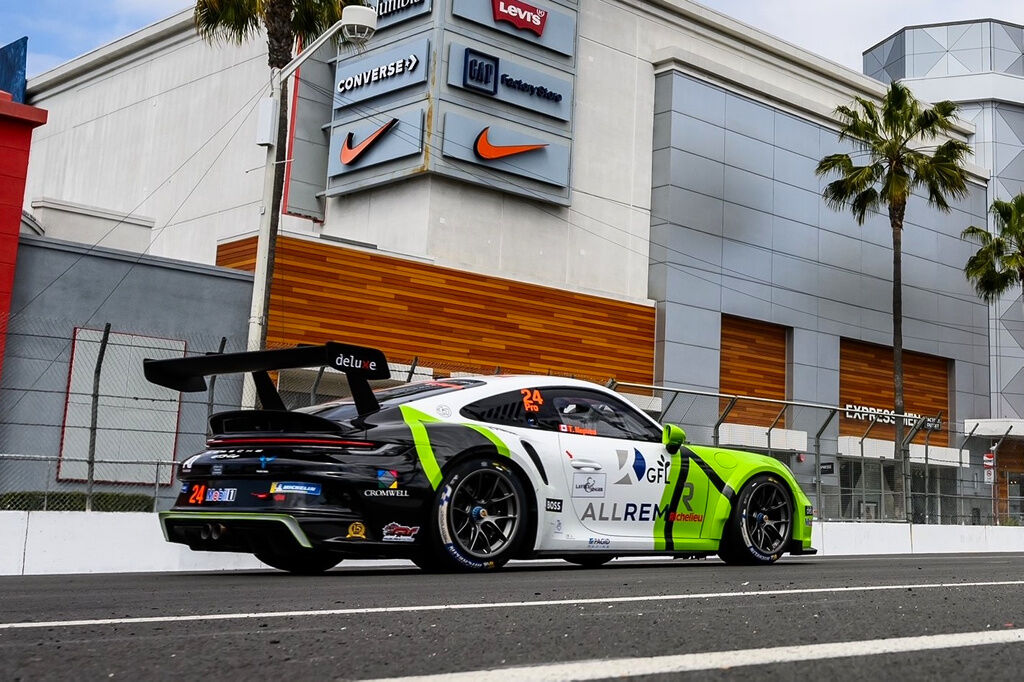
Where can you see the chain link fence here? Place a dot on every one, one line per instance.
(81, 428)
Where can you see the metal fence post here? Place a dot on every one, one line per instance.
(817, 458)
(863, 477)
(91, 475)
(156, 486)
(961, 484)
(213, 388)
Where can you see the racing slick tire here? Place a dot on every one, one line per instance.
(761, 523)
(479, 518)
(588, 561)
(300, 562)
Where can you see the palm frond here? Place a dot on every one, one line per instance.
(232, 20)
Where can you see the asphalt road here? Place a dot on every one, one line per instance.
(812, 618)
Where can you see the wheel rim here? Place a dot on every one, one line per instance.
(767, 520)
(484, 514)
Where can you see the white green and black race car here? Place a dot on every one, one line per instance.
(465, 474)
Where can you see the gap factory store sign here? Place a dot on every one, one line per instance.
(537, 23)
(509, 81)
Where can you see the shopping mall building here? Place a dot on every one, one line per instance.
(616, 189)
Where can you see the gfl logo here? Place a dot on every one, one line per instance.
(656, 473)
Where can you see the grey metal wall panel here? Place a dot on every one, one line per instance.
(785, 257)
(308, 149)
(557, 29)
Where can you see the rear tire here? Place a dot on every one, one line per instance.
(480, 517)
(300, 562)
(761, 523)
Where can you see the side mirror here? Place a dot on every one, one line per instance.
(673, 437)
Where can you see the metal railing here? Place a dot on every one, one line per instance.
(862, 483)
(42, 483)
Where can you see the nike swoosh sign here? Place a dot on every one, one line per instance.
(485, 150)
(349, 153)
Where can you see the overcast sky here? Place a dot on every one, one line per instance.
(59, 30)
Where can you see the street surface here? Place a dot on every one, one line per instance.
(942, 617)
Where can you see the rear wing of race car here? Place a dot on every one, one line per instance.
(359, 364)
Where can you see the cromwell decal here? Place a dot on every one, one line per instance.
(520, 14)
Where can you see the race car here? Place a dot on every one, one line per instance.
(465, 474)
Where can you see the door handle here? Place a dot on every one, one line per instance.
(585, 464)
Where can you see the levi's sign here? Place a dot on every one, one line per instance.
(551, 29)
(356, 80)
(520, 14)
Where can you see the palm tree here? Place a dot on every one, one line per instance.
(998, 266)
(285, 22)
(896, 155)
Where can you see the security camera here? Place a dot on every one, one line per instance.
(358, 23)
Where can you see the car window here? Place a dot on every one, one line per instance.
(342, 410)
(526, 408)
(590, 413)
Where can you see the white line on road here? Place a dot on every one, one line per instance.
(496, 605)
(718, 660)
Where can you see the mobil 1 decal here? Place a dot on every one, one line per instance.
(510, 81)
(536, 21)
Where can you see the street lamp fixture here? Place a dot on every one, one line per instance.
(357, 25)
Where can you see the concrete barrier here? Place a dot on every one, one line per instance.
(37, 543)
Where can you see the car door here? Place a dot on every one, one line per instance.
(625, 487)
(524, 412)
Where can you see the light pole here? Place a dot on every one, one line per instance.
(358, 24)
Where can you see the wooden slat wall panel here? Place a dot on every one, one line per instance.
(753, 362)
(865, 378)
(452, 320)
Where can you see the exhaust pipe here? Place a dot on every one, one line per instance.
(217, 530)
(205, 532)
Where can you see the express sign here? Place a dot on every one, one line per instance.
(520, 14)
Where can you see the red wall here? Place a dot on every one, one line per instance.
(16, 124)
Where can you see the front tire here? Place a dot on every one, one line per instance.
(300, 562)
(761, 523)
(480, 517)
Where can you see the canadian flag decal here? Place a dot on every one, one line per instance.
(520, 15)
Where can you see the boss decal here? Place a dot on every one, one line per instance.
(552, 505)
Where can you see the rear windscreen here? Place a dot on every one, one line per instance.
(344, 410)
